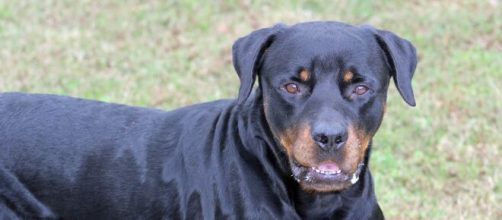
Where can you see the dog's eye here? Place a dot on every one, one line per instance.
(360, 90)
(292, 88)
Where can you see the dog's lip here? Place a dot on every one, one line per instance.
(325, 172)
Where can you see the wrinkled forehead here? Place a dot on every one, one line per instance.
(327, 46)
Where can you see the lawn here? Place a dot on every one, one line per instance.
(439, 160)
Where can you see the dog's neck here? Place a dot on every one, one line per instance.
(259, 134)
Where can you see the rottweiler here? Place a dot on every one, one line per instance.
(295, 147)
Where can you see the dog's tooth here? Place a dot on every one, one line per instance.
(308, 178)
(326, 172)
(354, 179)
(296, 178)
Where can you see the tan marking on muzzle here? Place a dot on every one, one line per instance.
(299, 144)
(286, 141)
(355, 149)
(304, 147)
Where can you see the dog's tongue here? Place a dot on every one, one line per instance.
(328, 166)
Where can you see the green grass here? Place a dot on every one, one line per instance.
(440, 160)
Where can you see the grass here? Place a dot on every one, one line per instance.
(440, 160)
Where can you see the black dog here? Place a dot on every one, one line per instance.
(298, 147)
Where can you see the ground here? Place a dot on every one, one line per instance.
(439, 160)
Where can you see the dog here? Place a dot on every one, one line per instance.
(295, 147)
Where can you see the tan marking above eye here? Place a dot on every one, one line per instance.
(304, 75)
(348, 76)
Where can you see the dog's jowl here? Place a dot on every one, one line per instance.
(297, 147)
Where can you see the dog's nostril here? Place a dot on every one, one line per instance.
(324, 139)
(321, 139)
(327, 142)
(338, 139)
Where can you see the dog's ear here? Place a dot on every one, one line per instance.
(402, 59)
(247, 52)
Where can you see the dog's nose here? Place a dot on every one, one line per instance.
(333, 137)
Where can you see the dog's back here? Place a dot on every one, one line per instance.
(71, 151)
(87, 159)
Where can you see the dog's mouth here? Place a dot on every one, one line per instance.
(326, 176)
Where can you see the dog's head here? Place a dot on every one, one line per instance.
(324, 88)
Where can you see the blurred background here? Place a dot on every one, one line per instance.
(439, 160)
